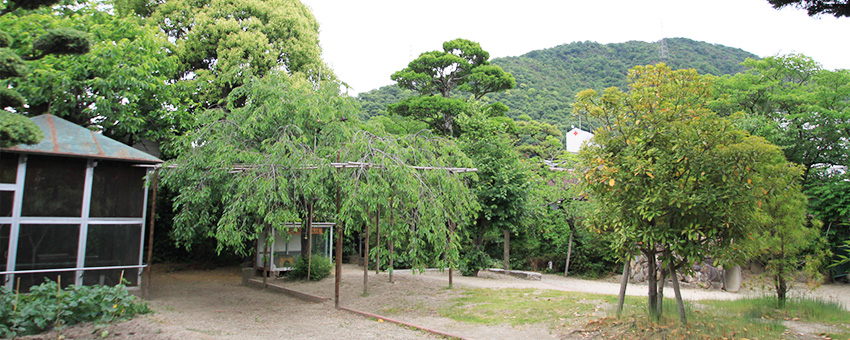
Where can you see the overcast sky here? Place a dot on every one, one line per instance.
(365, 41)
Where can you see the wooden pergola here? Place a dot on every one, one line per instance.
(337, 232)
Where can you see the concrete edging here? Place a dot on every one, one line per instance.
(293, 293)
(376, 316)
(518, 273)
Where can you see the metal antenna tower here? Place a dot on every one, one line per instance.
(663, 53)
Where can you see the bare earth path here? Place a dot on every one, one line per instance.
(193, 305)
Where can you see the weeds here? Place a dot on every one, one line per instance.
(47, 306)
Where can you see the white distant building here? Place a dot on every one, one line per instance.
(575, 138)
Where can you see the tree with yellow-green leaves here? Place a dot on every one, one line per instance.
(671, 180)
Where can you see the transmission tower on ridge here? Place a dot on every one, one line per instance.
(662, 44)
(662, 49)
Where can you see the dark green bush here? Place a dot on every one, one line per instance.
(63, 41)
(320, 268)
(46, 306)
(473, 261)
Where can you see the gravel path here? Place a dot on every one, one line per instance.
(212, 304)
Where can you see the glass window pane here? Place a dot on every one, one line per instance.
(117, 190)
(35, 279)
(113, 245)
(110, 277)
(47, 246)
(8, 167)
(54, 186)
(6, 200)
(4, 248)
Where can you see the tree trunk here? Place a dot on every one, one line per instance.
(507, 251)
(652, 280)
(569, 253)
(623, 283)
(678, 293)
(779, 280)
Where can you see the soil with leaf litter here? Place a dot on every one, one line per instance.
(212, 304)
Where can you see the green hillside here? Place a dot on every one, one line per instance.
(548, 79)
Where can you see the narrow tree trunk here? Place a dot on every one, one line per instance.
(779, 281)
(569, 253)
(507, 251)
(623, 283)
(678, 293)
(652, 280)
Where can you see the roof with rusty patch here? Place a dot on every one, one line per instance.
(64, 138)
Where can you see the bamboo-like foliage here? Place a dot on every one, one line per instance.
(261, 164)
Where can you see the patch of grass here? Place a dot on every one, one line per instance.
(523, 306)
(585, 314)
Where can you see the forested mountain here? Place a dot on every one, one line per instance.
(548, 79)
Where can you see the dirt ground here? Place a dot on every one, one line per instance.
(200, 304)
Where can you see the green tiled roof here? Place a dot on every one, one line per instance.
(64, 138)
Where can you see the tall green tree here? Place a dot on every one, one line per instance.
(268, 158)
(462, 65)
(222, 45)
(669, 178)
(120, 87)
(503, 182)
(39, 43)
(793, 102)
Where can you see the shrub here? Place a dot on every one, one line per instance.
(473, 261)
(46, 306)
(320, 268)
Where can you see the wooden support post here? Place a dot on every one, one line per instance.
(623, 283)
(309, 238)
(390, 237)
(151, 219)
(507, 251)
(451, 263)
(377, 239)
(266, 256)
(366, 256)
(338, 250)
(677, 292)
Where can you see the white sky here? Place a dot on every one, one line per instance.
(365, 41)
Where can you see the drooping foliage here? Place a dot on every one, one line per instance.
(259, 165)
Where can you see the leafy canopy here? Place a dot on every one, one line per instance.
(667, 175)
